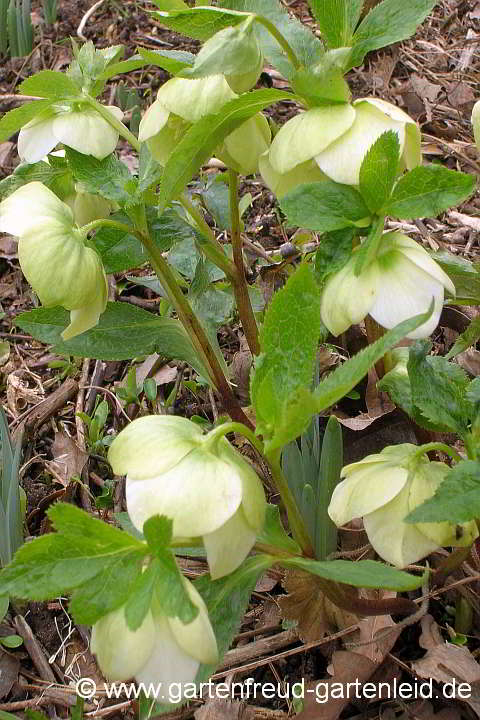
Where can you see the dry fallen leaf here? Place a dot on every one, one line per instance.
(9, 667)
(68, 458)
(378, 404)
(315, 613)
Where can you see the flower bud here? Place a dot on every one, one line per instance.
(402, 270)
(161, 653)
(383, 489)
(82, 129)
(199, 481)
(53, 257)
(233, 51)
(338, 137)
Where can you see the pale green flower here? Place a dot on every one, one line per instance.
(161, 653)
(383, 489)
(337, 138)
(399, 284)
(208, 490)
(82, 129)
(53, 256)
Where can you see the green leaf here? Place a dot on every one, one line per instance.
(123, 332)
(325, 206)
(389, 22)
(18, 117)
(4, 603)
(273, 532)
(427, 192)
(124, 66)
(457, 500)
(363, 574)
(149, 171)
(464, 274)
(122, 251)
(199, 143)
(170, 590)
(199, 23)
(173, 61)
(345, 377)
(108, 590)
(82, 548)
(55, 176)
(288, 339)
(331, 463)
(466, 339)
(306, 46)
(109, 177)
(11, 641)
(140, 600)
(50, 84)
(379, 170)
(333, 19)
(333, 253)
(440, 396)
(227, 600)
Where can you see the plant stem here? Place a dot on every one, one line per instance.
(194, 328)
(280, 39)
(105, 222)
(112, 120)
(295, 518)
(219, 432)
(424, 449)
(240, 286)
(374, 333)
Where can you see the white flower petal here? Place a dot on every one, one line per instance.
(307, 134)
(29, 207)
(155, 118)
(341, 161)
(87, 316)
(36, 139)
(228, 546)
(193, 99)
(253, 495)
(346, 298)
(87, 132)
(418, 255)
(404, 290)
(364, 491)
(168, 666)
(242, 148)
(279, 184)
(120, 652)
(200, 494)
(197, 638)
(152, 445)
(396, 541)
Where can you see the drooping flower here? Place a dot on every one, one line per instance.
(163, 653)
(81, 128)
(476, 123)
(53, 256)
(336, 139)
(399, 284)
(205, 487)
(383, 489)
(181, 102)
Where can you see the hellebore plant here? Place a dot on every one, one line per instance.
(339, 168)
